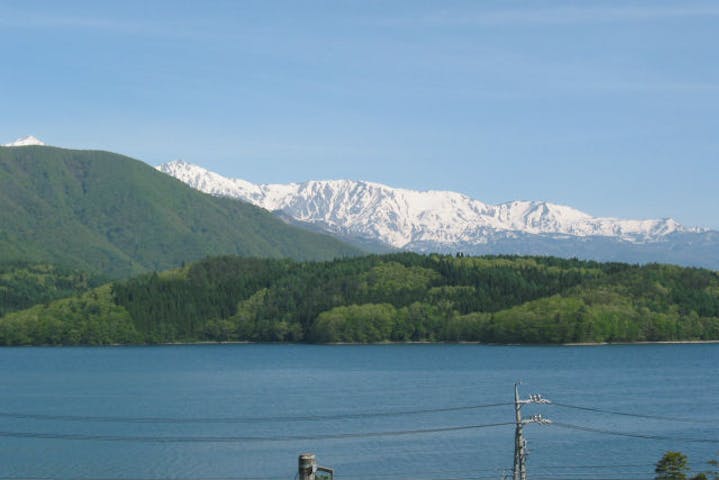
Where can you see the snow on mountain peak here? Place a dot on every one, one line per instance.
(24, 141)
(413, 219)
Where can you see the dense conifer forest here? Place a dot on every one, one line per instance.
(399, 297)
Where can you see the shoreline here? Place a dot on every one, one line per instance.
(247, 342)
(657, 342)
(569, 344)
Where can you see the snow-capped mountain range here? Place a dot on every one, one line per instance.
(379, 218)
(24, 141)
(420, 221)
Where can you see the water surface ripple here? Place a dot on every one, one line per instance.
(389, 411)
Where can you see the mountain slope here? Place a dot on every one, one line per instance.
(108, 213)
(436, 221)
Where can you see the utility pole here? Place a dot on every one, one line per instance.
(520, 444)
(308, 468)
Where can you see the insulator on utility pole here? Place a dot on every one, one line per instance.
(520, 444)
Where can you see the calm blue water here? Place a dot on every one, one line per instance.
(296, 380)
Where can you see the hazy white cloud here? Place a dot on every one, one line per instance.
(15, 19)
(659, 86)
(567, 14)
(34, 20)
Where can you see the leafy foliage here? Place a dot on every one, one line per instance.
(675, 466)
(103, 212)
(672, 466)
(89, 319)
(410, 297)
(23, 284)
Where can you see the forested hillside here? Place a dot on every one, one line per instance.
(23, 284)
(398, 297)
(109, 214)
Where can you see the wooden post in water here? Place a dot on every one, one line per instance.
(307, 466)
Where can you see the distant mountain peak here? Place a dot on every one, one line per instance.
(421, 221)
(25, 141)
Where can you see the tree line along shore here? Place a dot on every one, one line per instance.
(401, 297)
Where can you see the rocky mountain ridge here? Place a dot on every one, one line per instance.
(420, 221)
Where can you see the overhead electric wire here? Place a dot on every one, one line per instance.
(575, 474)
(569, 467)
(624, 476)
(544, 468)
(465, 474)
(395, 477)
(305, 418)
(633, 434)
(546, 472)
(282, 477)
(419, 477)
(637, 415)
(238, 439)
(285, 418)
(596, 478)
(25, 477)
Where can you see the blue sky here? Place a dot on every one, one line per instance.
(611, 107)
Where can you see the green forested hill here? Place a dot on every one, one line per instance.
(397, 297)
(102, 212)
(23, 285)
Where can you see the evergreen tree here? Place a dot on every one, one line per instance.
(672, 466)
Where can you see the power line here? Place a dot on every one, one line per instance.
(637, 415)
(592, 476)
(398, 475)
(237, 439)
(304, 418)
(626, 465)
(623, 476)
(545, 473)
(547, 470)
(419, 477)
(585, 474)
(25, 477)
(588, 474)
(395, 476)
(634, 435)
(598, 478)
(278, 477)
(558, 473)
(431, 475)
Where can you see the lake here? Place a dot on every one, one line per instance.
(247, 411)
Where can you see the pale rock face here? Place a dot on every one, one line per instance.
(401, 218)
(24, 141)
